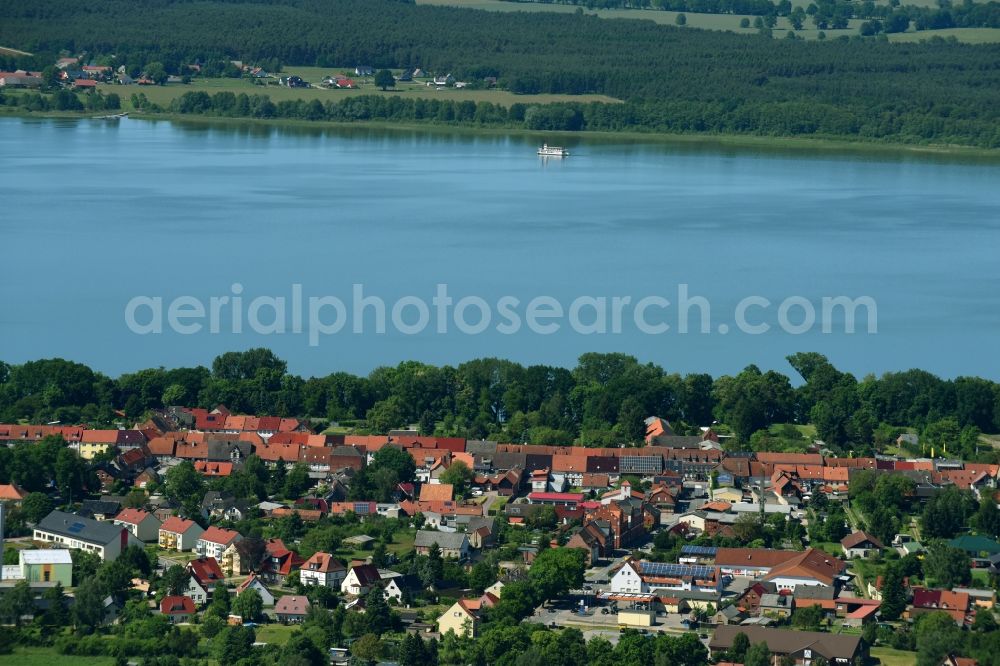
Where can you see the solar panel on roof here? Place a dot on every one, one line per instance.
(672, 570)
(76, 528)
(698, 550)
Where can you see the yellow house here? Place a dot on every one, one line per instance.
(94, 442)
(461, 618)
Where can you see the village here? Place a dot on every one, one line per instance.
(82, 74)
(676, 536)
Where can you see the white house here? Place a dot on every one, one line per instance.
(254, 583)
(322, 569)
(69, 530)
(194, 590)
(215, 540)
(360, 579)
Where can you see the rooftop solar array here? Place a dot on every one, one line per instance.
(708, 551)
(76, 527)
(640, 464)
(671, 570)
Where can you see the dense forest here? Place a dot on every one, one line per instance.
(602, 401)
(675, 79)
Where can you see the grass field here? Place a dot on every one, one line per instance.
(163, 95)
(723, 21)
(890, 657)
(968, 35)
(6, 51)
(278, 634)
(39, 656)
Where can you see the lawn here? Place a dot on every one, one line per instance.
(163, 95)
(42, 656)
(274, 633)
(968, 35)
(981, 578)
(726, 21)
(890, 657)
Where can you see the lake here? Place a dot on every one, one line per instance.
(96, 214)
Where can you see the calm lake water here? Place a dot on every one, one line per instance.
(95, 213)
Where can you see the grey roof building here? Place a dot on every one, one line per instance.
(69, 530)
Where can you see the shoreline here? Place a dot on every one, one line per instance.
(743, 142)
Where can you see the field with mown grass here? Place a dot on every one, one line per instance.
(729, 22)
(46, 656)
(163, 95)
(890, 657)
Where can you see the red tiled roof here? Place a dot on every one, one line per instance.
(213, 468)
(436, 492)
(292, 605)
(219, 535)
(206, 571)
(556, 497)
(323, 563)
(10, 492)
(99, 436)
(177, 605)
(177, 525)
(132, 516)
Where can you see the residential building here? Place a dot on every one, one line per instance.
(462, 618)
(94, 442)
(291, 609)
(254, 583)
(11, 494)
(860, 544)
(322, 569)
(360, 580)
(214, 541)
(104, 539)
(143, 525)
(177, 608)
(802, 647)
(454, 545)
(179, 534)
(207, 572)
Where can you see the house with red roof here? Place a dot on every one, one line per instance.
(322, 569)
(94, 442)
(143, 525)
(177, 608)
(291, 609)
(556, 499)
(214, 469)
(280, 561)
(437, 492)
(207, 572)
(956, 604)
(179, 534)
(860, 544)
(253, 582)
(215, 540)
(11, 493)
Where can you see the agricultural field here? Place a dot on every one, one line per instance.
(891, 657)
(729, 22)
(967, 35)
(46, 656)
(163, 95)
(5, 51)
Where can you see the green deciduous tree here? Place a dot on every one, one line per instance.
(384, 79)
